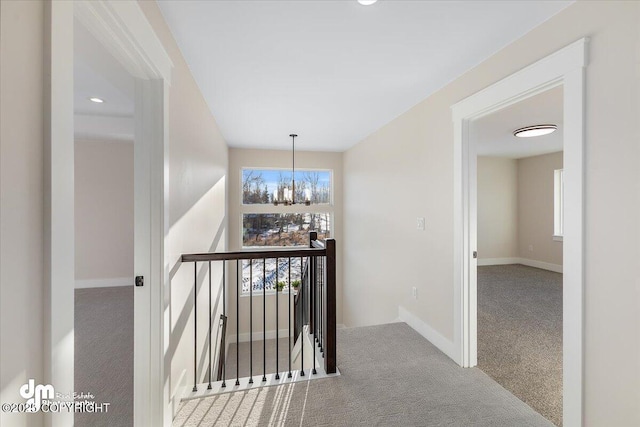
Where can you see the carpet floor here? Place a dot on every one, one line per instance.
(520, 334)
(104, 353)
(390, 376)
(258, 364)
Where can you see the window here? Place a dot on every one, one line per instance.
(265, 224)
(263, 186)
(558, 204)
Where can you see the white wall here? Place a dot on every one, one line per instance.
(21, 202)
(103, 213)
(535, 208)
(239, 158)
(497, 208)
(198, 160)
(410, 160)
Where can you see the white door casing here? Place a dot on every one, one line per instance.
(563, 68)
(124, 30)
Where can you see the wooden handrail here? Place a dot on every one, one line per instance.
(253, 254)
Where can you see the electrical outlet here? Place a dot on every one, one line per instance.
(530, 248)
(421, 223)
(414, 292)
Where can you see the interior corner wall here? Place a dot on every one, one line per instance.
(405, 170)
(104, 217)
(497, 208)
(239, 158)
(535, 208)
(198, 166)
(21, 202)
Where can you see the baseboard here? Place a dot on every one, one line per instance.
(497, 261)
(540, 264)
(179, 392)
(434, 337)
(104, 283)
(524, 261)
(340, 326)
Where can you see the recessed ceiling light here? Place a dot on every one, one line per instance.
(537, 130)
(96, 100)
(367, 2)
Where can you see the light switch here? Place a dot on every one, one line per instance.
(421, 223)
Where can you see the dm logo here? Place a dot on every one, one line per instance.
(35, 394)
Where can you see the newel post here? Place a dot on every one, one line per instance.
(330, 307)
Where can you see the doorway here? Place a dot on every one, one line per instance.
(123, 30)
(104, 107)
(564, 68)
(519, 274)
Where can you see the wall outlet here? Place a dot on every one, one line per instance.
(530, 248)
(421, 223)
(414, 292)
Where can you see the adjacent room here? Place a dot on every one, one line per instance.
(104, 230)
(519, 231)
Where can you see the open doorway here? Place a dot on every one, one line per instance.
(104, 104)
(564, 68)
(519, 232)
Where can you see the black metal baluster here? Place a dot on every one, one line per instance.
(264, 319)
(250, 321)
(314, 296)
(210, 367)
(238, 271)
(224, 313)
(290, 294)
(302, 325)
(322, 260)
(195, 326)
(277, 314)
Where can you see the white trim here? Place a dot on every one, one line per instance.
(557, 238)
(497, 261)
(433, 336)
(524, 261)
(104, 283)
(564, 67)
(541, 264)
(123, 28)
(59, 246)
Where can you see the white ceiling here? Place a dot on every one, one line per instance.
(98, 74)
(494, 133)
(334, 71)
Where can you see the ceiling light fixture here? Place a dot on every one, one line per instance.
(96, 100)
(287, 195)
(537, 130)
(367, 2)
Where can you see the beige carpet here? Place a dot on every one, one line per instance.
(520, 334)
(104, 353)
(390, 376)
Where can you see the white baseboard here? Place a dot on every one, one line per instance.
(497, 261)
(179, 393)
(540, 264)
(104, 283)
(524, 261)
(340, 326)
(434, 337)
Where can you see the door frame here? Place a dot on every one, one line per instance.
(565, 68)
(124, 30)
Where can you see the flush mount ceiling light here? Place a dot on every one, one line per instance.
(367, 2)
(96, 100)
(537, 130)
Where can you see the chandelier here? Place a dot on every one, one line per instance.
(287, 195)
